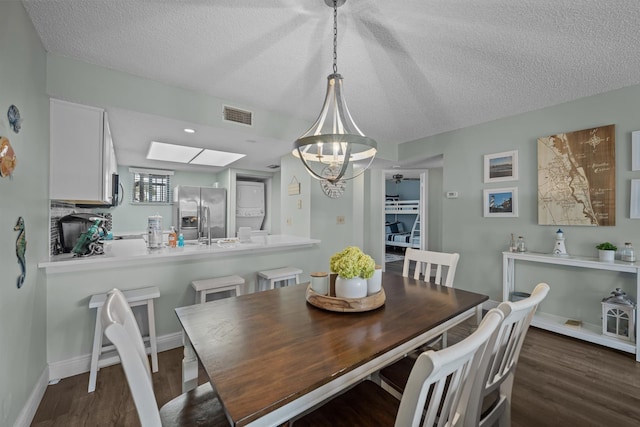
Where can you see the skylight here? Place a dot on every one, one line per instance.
(191, 155)
(172, 152)
(216, 158)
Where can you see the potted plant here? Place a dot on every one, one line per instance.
(606, 251)
(353, 268)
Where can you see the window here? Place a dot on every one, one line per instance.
(151, 186)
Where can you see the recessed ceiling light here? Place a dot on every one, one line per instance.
(189, 130)
(171, 152)
(216, 158)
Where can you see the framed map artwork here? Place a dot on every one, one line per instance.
(577, 178)
(501, 166)
(500, 202)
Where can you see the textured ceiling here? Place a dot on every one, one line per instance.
(411, 68)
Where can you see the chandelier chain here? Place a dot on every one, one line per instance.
(335, 36)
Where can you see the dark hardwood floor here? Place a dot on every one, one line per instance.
(560, 381)
(394, 267)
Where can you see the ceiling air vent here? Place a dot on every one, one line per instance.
(238, 116)
(273, 166)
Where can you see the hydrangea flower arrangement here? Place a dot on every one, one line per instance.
(352, 262)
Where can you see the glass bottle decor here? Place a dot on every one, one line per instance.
(628, 254)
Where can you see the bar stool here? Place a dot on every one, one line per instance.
(267, 279)
(217, 284)
(135, 297)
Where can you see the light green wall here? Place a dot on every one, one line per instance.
(23, 354)
(480, 240)
(92, 85)
(434, 210)
(323, 216)
(293, 220)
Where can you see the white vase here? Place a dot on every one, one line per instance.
(351, 288)
(374, 283)
(606, 255)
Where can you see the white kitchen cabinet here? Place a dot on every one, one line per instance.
(81, 154)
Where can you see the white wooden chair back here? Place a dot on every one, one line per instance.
(426, 261)
(119, 325)
(449, 374)
(498, 367)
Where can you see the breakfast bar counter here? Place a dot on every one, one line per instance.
(128, 264)
(128, 252)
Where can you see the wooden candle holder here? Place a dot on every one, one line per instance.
(346, 305)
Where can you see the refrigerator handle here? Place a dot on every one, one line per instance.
(200, 222)
(208, 225)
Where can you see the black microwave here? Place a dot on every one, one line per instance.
(71, 227)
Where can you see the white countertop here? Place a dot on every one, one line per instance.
(135, 251)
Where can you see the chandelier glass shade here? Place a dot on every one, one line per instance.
(334, 148)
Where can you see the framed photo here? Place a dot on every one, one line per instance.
(635, 150)
(501, 202)
(634, 211)
(501, 166)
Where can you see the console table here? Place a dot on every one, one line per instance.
(587, 332)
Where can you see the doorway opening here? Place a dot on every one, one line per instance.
(405, 214)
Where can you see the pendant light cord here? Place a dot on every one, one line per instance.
(335, 36)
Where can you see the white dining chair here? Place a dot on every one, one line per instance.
(199, 407)
(444, 265)
(438, 389)
(491, 394)
(492, 391)
(426, 261)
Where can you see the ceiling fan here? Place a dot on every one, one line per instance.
(398, 178)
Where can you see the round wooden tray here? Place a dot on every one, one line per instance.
(346, 305)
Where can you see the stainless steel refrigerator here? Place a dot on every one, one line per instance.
(200, 212)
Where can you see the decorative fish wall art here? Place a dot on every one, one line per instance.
(13, 114)
(21, 249)
(7, 157)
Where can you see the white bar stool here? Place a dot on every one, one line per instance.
(267, 279)
(217, 284)
(135, 297)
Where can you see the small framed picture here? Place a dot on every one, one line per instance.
(635, 150)
(501, 166)
(501, 202)
(634, 211)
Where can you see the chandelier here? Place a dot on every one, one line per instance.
(334, 148)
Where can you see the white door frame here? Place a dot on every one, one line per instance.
(424, 202)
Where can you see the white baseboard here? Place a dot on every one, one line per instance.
(80, 364)
(29, 409)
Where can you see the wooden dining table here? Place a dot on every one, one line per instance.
(272, 355)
